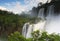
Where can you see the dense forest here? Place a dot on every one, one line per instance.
(36, 36)
(10, 22)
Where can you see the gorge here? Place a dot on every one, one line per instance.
(49, 15)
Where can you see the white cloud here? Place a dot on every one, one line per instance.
(2, 8)
(17, 7)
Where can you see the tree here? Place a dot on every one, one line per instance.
(16, 36)
(44, 36)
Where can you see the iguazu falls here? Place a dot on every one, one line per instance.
(30, 20)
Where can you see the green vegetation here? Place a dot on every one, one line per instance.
(16, 37)
(10, 22)
(36, 36)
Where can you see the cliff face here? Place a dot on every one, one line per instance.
(56, 6)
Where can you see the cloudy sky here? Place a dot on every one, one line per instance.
(17, 6)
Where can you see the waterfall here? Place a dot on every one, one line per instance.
(25, 28)
(33, 27)
(29, 31)
(53, 21)
(51, 24)
(41, 12)
(39, 26)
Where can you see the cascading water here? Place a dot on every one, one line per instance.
(29, 31)
(53, 21)
(25, 28)
(51, 24)
(33, 27)
(41, 12)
